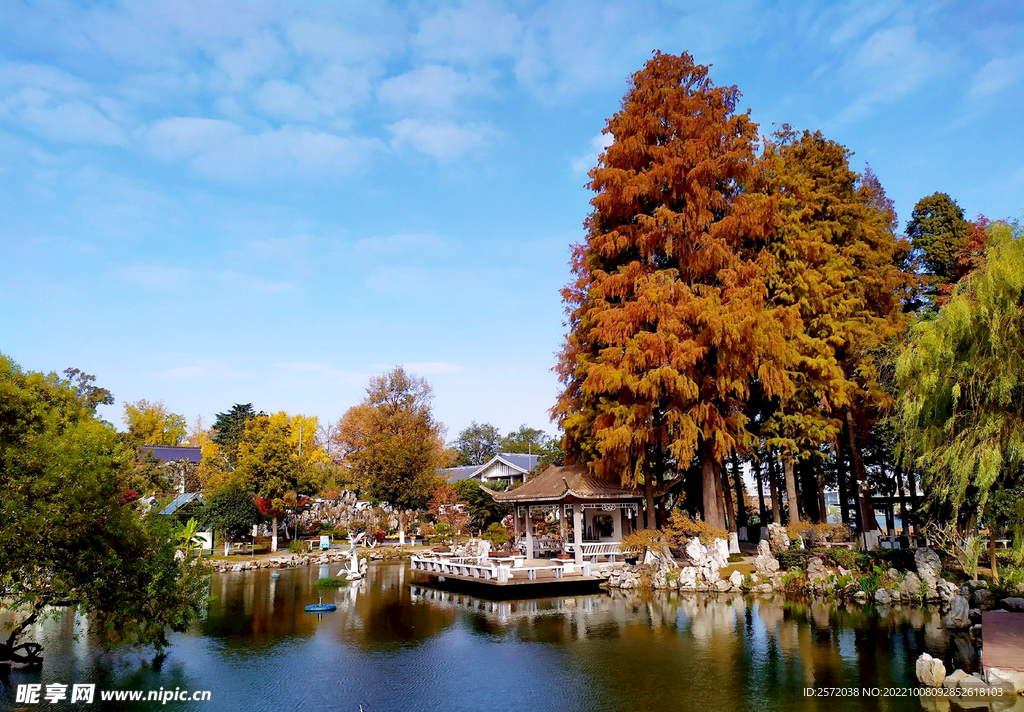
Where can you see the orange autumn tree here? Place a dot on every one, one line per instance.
(668, 314)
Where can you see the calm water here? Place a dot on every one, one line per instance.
(395, 645)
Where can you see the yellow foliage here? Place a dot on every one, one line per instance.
(681, 527)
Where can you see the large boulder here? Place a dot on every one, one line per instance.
(816, 570)
(695, 552)
(764, 562)
(687, 578)
(930, 671)
(736, 579)
(982, 599)
(911, 586)
(1014, 604)
(952, 680)
(882, 597)
(929, 566)
(946, 591)
(959, 615)
(778, 539)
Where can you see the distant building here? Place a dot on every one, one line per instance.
(507, 467)
(183, 461)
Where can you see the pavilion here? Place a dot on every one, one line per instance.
(601, 511)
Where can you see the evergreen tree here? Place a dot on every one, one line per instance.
(938, 232)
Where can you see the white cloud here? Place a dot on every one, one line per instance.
(444, 140)
(995, 76)
(429, 87)
(387, 245)
(167, 278)
(473, 32)
(254, 57)
(583, 163)
(220, 149)
(892, 63)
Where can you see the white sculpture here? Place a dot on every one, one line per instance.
(353, 570)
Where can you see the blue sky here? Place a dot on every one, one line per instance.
(242, 201)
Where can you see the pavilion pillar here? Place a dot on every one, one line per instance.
(577, 531)
(618, 524)
(529, 535)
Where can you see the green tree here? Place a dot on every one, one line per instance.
(959, 380)
(85, 385)
(392, 443)
(69, 537)
(273, 465)
(938, 232)
(152, 424)
(668, 313)
(534, 441)
(231, 511)
(477, 443)
(480, 506)
(229, 429)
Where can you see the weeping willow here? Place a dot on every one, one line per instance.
(960, 379)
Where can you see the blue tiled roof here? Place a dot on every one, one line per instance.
(180, 501)
(520, 459)
(164, 453)
(454, 474)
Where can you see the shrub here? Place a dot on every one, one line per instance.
(331, 582)
(681, 527)
(295, 546)
(496, 534)
(635, 542)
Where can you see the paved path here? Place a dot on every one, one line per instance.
(1002, 640)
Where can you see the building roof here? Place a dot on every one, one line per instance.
(521, 460)
(558, 483)
(454, 474)
(164, 453)
(180, 501)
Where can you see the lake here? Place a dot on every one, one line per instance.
(396, 645)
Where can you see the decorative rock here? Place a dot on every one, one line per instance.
(953, 680)
(763, 589)
(930, 671)
(722, 585)
(928, 565)
(778, 539)
(893, 574)
(882, 597)
(844, 572)
(946, 591)
(1014, 604)
(997, 680)
(816, 569)
(969, 682)
(981, 598)
(977, 583)
(911, 586)
(959, 615)
(736, 579)
(860, 597)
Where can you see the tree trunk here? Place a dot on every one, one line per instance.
(900, 488)
(792, 503)
(712, 514)
(273, 533)
(741, 503)
(649, 514)
(860, 476)
(726, 493)
(822, 505)
(992, 562)
(762, 512)
(842, 480)
(912, 493)
(774, 482)
(401, 528)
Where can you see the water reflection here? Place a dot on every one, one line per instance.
(395, 644)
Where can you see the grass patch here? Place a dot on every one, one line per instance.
(331, 582)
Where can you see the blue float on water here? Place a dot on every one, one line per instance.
(275, 575)
(320, 607)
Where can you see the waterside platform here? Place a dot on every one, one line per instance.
(496, 581)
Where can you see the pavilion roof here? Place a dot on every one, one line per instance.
(558, 483)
